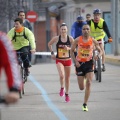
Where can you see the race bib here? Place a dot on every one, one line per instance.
(62, 53)
(83, 53)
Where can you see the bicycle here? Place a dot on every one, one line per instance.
(22, 72)
(98, 65)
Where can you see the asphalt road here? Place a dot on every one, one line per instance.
(42, 102)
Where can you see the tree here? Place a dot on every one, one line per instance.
(8, 12)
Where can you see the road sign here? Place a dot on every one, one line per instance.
(31, 16)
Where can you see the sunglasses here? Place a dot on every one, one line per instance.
(85, 29)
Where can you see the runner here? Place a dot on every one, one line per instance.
(8, 62)
(98, 28)
(63, 59)
(84, 61)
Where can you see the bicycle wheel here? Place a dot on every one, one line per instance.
(23, 89)
(96, 75)
(99, 70)
(96, 69)
(25, 76)
(21, 92)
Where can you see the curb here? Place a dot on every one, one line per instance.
(115, 60)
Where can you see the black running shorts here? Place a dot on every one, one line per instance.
(85, 67)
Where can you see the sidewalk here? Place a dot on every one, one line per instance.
(115, 60)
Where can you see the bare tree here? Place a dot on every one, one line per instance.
(8, 12)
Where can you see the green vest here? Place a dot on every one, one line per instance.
(97, 33)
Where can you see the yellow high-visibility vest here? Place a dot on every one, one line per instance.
(97, 33)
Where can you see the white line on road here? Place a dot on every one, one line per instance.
(50, 104)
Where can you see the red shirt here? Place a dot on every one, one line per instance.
(8, 61)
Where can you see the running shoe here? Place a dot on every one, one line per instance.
(84, 107)
(62, 93)
(67, 98)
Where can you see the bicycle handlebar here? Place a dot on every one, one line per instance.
(105, 42)
(109, 41)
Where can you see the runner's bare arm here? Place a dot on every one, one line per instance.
(51, 42)
(73, 47)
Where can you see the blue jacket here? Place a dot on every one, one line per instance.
(76, 29)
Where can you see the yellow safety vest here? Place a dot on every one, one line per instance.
(97, 33)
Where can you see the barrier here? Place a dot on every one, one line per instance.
(44, 56)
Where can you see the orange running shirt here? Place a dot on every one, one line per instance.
(85, 50)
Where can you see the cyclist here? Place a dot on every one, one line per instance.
(76, 29)
(20, 37)
(26, 23)
(98, 28)
(8, 62)
(63, 59)
(88, 17)
(84, 61)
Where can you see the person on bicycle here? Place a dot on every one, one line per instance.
(20, 37)
(26, 23)
(8, 62)
(98, 28)
(76, 29)
(88, 17)
(84, 61)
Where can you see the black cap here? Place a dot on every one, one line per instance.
(80, 17)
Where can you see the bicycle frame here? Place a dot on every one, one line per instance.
(22, 72)
(97, 67)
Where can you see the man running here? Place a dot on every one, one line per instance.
(84, 61)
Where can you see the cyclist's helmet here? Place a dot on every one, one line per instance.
(97, 11)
